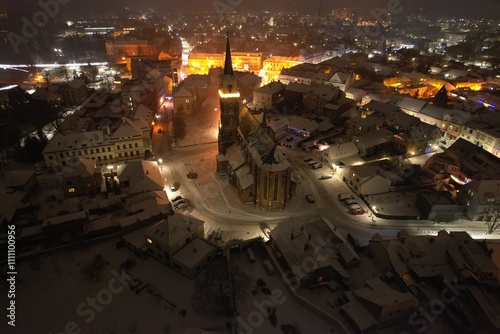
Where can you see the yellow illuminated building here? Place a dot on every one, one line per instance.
(200, 63)
(272, 67)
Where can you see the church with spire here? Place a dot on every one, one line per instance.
(229, 104)
(248, 155)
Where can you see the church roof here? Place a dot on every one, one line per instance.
(228, 65)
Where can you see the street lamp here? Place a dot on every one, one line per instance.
(159, 162)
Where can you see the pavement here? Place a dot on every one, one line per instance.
(213, 199)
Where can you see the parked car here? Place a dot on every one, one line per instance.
(181, 206)
(179, 201)
(268, 267)
(317, 166)
(251, 255)
(325, 176)
(310, 198)
(358, 211)
(176, 198)
(350, 201)
(312, 162)
(354, 207)
(174, 186)
(343, 197)
(308, 159)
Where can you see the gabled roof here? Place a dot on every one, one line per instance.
(174, 229)
(411, 104)
(341, 151)
(183, 92)
(316, 239)
(235, 157)
(80, 167)
(127, 129)
(17, 178)
(142, 175)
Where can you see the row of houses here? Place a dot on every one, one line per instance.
(407, 270)
(110, 128)
(146, 218)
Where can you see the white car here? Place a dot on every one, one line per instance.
(181, 206)
(354, 207)
(350, 201)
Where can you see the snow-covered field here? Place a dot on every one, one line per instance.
(53, 296)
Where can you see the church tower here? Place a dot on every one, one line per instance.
(229, 104)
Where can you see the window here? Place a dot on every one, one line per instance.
(50, 157)
(97, 150)
(136, 145)
(86, 152)
(109, 149)
(276, 184)
(129, 145)
(117, 147)
(91, 151)
(264, 192)
(61, 155)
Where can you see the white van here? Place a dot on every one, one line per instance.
(343, 197)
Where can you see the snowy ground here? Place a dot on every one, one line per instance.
(52, 293)
(252, 311)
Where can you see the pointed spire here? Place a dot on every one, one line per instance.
(228, 65)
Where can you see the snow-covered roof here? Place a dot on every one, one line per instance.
(77, 140)
(142, 175)
(235, 157)
(194, 252)
(314, 241)
(341, 151)
(173, 229)
(411, 104)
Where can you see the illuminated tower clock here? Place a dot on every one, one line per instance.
(229, 105)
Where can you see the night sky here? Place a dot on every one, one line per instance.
(75, 8)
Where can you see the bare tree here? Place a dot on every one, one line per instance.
(492, 219)
(217, 286)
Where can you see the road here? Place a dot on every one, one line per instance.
(216, 202)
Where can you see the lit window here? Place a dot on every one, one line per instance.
(71, 190)
(149, 241)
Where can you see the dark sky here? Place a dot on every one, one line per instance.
(476, 8)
